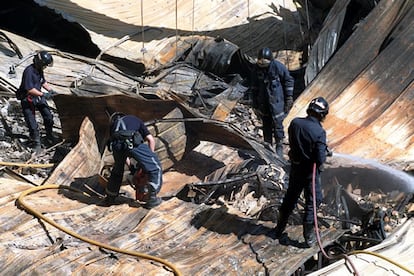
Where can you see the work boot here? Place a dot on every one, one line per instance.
(309, 234)
(279, 231)
(52, 139)
(153, 200)
(279, 149)
(281, 225)
(35, 144)
(108, 200)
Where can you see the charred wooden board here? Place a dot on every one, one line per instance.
(73, 110)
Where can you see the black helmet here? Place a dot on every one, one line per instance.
(43, 59)
(265, 53)
(318, 107)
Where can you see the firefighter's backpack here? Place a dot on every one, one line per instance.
(123, 139)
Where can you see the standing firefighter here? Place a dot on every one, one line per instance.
(308, 148)
(31, 96)
(127, 140)
(272, 96)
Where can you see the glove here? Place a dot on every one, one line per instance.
(329, 152)
(53, 92)
(132, 169)
(288, 103)
(47, 95)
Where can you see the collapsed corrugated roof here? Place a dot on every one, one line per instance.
(327, 41)
(227, 242)
(149, 24)
(350, 84)
(369, 85)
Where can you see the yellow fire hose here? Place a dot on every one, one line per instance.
(356, 252)
(21, 197)
(20, 200)
(26, 165)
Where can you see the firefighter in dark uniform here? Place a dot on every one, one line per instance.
(130, 138)
(32, 97)
(307, 140)
(272, 96)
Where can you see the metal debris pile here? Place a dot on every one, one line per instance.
(368, 215)
(16, 146)
(252, 188)
(244, 117)
(256, 191)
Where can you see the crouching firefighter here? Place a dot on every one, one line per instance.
(128, 137)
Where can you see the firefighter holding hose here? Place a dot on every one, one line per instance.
(307, 140)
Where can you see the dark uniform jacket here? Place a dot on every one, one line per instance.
(132, 123)
(32, 78)
(127, 132)
(307, 141)
(272, 85)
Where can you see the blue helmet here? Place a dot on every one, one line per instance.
(43, 59)
(265, 53)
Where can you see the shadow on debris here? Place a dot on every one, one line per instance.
(88, 190)
(219, 220)
(286, 240)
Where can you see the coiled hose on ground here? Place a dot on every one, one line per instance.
(37, 214)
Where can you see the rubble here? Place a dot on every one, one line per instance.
(231, 201)
(253, 189)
